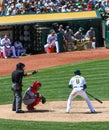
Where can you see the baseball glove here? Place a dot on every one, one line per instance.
(34, 72)
(43, 100)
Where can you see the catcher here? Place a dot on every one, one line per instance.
(32, 97)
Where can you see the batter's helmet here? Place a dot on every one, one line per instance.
(77, 72)
(20, 66)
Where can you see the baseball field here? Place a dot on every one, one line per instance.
(55, 71)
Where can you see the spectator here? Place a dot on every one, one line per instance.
(64, 8)
(97, 4)
(102, 11)
(19, 4)
(48, 6)
(107, 9)
(20, 50)
(40, 3)
(104, 4)
(89, 6)
(32, 8)
(7, 46)
(80, 4)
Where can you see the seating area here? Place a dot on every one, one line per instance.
(16, 7)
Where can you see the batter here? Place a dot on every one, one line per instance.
(78, 84)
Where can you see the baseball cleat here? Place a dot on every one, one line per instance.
(67, 112)
(19, 111)
(13, 109)
(93, 112)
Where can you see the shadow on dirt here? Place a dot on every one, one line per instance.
(38, 111)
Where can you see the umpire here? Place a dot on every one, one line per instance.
(17, 76)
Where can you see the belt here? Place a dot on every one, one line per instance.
(78, 87)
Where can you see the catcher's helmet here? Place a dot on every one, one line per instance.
(37, 83)
(20, 65)
(77, 72)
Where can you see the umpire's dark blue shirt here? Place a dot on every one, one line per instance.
(17, 76)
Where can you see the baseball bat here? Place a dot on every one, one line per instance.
(94, 97)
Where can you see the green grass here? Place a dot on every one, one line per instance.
(55, 88)
(32, 125)
(55, 81)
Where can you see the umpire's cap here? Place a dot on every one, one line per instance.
(20, 65)
(77, 72)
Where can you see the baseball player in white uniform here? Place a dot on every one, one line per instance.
(78, 84)
(52, 41)
(7, 46)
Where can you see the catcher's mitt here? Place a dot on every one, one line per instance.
(43, 100)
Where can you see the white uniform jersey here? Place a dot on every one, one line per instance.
(52, 41)
(5, 42)
(51, 38)
(77, 82)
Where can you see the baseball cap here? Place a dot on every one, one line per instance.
(77, 72)
(91, 28)
(20, 65)
(52, 31)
